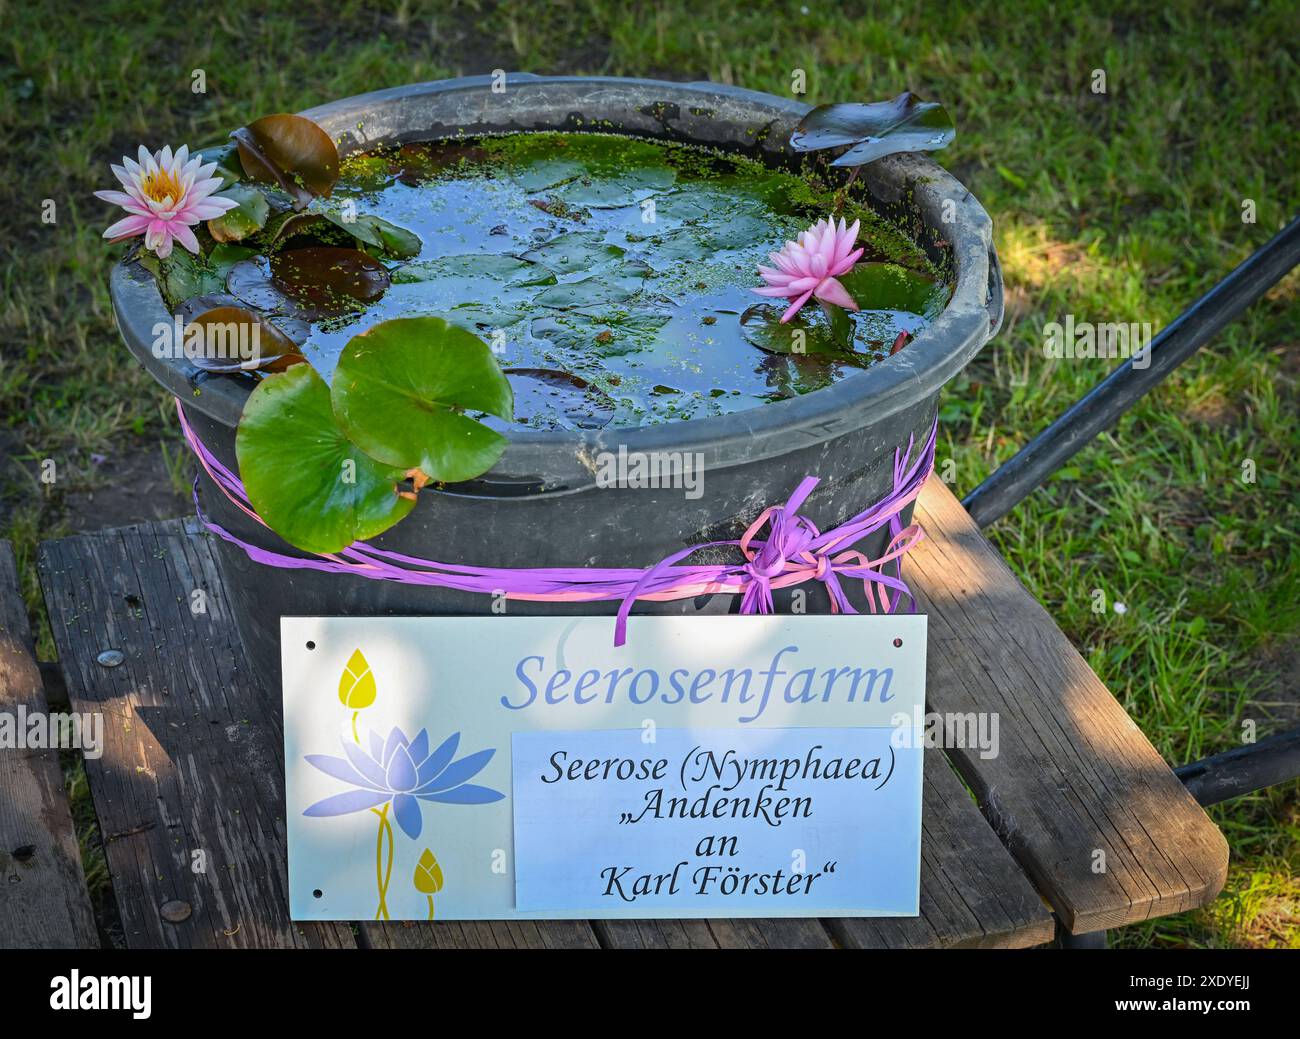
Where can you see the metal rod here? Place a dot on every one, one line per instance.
(1243, 770)
(1103, 405)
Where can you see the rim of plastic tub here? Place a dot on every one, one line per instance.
(550, 462)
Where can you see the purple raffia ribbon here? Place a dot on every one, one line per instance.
(794, 551)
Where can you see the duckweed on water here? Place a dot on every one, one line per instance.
(612, 276)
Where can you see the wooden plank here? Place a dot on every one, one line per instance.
(480, 934)
(973, 895)
(189, 790)
(194, 755)
(1074, 776)
(44, 903)
(779, 933)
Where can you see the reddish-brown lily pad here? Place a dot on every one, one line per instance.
(291, 152)
(233, 339)
(327, 281)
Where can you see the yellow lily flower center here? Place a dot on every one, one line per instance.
(161, 185)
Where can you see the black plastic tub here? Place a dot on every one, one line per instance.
(541, 505)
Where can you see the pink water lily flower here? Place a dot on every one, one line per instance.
(165, 196)
(809, 266)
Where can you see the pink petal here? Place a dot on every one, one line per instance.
(832, 291)
(127, 227)
(186, 237)
(846, 264)
(794, 307)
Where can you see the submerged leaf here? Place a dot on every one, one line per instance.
(400, 391)
(903, 124)
(310, 483)
(545, 393)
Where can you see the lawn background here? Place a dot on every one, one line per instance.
(1119, 206)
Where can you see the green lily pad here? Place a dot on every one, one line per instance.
(576, 251)
(401, 389)
(594, 290)
(225, 255)
(306, 479)
(807, 333)
(182, 275)
(600, 335)
(245, 219)
(375, 231)
(888, 286)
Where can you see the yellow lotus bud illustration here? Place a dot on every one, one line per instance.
(357, 683)
(428, 877)
(428, 874)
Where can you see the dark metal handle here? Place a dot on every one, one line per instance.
(1105, 403)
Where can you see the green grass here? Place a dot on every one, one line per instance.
(1116, 207)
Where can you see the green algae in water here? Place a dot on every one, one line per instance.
(613, 276)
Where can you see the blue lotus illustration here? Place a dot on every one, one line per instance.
(402, 773)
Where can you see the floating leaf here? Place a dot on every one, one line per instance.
(182, 275)
(889, 286)
(428, 874)
(594, 290)
(226, 156)
(328, 281)
(576, 251)
(291, 152)
(600, 335)
(357, 683)
(904, 124)
(232, 339)
(224, 256)
(807, 333)
(295, 329)
(312, 485)
(400, 390)
(247, 218)
(387, 237)
(229, 338)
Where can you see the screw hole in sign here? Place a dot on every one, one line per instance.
(898, 642)
(311, 645)
(318, 893)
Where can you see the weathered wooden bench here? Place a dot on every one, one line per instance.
(1076, 824)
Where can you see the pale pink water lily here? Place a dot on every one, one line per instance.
(166, 195)
(807, 267)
